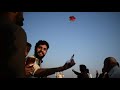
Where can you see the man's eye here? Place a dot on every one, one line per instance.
(44, 48)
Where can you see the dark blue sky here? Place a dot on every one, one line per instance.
(92, 37)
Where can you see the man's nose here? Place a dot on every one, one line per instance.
(42, 49)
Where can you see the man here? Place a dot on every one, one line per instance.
(41, 49)
(13, 43)
(28, 47)
(83, 71)
(111, 66)
(28, 68)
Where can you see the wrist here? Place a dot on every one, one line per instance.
(61, 68)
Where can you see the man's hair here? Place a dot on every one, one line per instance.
(82, 67)
(42, 42)
(111, 61)
(29, 45)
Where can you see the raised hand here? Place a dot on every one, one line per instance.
(68, 65)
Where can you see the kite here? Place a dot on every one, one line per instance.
(72, 18)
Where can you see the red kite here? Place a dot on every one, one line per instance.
(72, 18)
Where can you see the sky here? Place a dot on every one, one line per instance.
(92, 37)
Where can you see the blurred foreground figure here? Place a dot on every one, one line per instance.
(12, 47)
(111, 66)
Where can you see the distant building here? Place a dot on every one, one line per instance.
(59, 75)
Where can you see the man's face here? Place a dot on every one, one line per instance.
(27, 49)
(19, 19)
(41, 50)
(106, 66)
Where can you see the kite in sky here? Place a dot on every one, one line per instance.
(72, 18)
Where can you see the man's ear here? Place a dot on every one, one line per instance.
(12, 13)
(15, 13)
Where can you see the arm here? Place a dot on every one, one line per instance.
(77, 73)
(49, 71)
(42, 72)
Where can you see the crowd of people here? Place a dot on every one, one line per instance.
(15, 62)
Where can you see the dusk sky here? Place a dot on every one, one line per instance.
(92, 37)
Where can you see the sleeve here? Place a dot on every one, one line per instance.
(36, 67)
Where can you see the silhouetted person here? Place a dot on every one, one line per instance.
(97, 74)
(102, 75)
(111, 67)
(12, 47)
(83, 71)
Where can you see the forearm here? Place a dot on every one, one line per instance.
(77, 73)
(42, 72)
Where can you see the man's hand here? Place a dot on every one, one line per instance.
(29, 70)
(68, 65)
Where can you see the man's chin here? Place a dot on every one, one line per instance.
(19, 24)
(40, 56)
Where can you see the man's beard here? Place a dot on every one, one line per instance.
(37, 56)
(19, 20)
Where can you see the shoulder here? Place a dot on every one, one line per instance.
(32, 56)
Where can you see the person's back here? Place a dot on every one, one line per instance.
(13, 42)
(114, 72)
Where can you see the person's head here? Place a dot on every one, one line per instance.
(28, 47)
(19, 18)
(16, 17)
(87, 70)
(41, 48)
(82, 68)
(109, 63)
(118, 64)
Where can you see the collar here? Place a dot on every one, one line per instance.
(38, 59)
